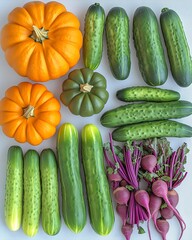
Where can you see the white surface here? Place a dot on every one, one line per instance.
(8, 78)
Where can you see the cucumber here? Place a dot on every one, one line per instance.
(14, 188)
(50, 212)
(145, 93)
(163, 128)
(148, 46)
(93, 36)
(98, 193)
(32, 193)
(117, 38)
(177, 47)
(147, 111)
(73, 203)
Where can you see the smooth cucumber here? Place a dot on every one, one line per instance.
(146, 93)
(14, 188)
(98, 193)
(163, 128)
(73, 204)
(50, 212)
(32, 193)
(147, 111)
(93, 36)
(177, 47)
(117, 38)
(149, 48)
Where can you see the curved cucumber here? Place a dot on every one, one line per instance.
(14, 188)
(93, 36)
(32, 193)
(117, 37)
(143, 112)
(144, 93)
(73, 204)
(50, 212)
(148, 45)
(139, 131)
(177, 47)
(98, 193)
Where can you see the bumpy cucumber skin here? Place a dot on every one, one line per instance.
(148, 45)
(139, 131)
(117, 37)
(50, 212)
(145, 93)
(147, 111)
(14, 188)
(93, 36)
(98, 193)
(32, 193)
(73, 203)
(177, 47)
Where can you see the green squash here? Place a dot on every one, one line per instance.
(84, 92)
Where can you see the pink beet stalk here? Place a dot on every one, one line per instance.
(127, 230)
(160, 189)
(163, 227)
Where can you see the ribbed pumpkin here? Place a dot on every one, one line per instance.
(29, 113)
(42, 41)
(84, 92)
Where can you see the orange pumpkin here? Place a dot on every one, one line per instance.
(42, 41)
(29, 113)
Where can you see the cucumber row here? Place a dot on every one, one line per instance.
(147, 42)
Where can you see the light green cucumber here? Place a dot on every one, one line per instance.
(14, 188)
(93, 36)
(146, 93)
(73, 204)
(32, 193)
(50, 212)
(163, 128)
(98, 193)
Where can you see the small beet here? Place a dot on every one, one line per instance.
(122, 212)
(121, 195)
(127, 230)
(167, 213)
(114, 177)
(148, 162)
(163, 227)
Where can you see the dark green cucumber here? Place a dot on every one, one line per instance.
(32, 193)
(93, 36)
(177, 47)
(98, 193)
(73, 204)
(148, 45)
(14, 188)
(144, 93)
(117, 37)
(163, 128)
(50, 212)
(147, 111)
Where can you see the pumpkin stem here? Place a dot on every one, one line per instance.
(28, 112)
(85, 87)
(39, 35)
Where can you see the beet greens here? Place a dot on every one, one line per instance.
(150, 161)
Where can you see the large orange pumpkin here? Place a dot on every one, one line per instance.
(29, 113)
(42, 41)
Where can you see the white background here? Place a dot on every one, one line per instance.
(8, 78)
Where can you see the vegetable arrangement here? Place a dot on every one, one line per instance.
(43, 42)
(154, 162)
